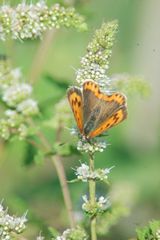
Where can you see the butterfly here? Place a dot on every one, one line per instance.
(94, 111)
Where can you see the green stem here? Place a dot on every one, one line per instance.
(92, 195)
(64, 186)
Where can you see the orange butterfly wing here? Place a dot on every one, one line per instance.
(115, 119)
(94, 87)
(112, 109)
(75, 100)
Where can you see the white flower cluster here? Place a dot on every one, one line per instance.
(101, 205)
(17, 97)
(8, 76)
(12, 121)
(74, 233)
(62, 114)
(40, 238)
(64, 236)
(16, 94)
(96, 61)
(94, 146)
(84, 174)
(74, 131)
(28, 107)
(90, 71)
(4, 130)
(30, 21)
(13, 118)
(9, 224)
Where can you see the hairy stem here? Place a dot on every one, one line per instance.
(64, 186)
(92, 196)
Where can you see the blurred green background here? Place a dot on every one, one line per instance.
(135, 144)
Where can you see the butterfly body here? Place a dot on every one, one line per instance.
(94, 111)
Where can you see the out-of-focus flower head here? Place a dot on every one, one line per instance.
(74, 233)
(10, 224)
(31, 20)
(95, 63)
(99, 207)
(17, 102)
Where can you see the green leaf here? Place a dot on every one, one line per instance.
(57, 82)
(154, 226)
(39, 157)
(65, 149)
(53, 232)
(50, 153)
(30, 153)
(141, 233)
(74, 150)
(149, 232)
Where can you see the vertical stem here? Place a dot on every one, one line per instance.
(92, 195)
(56, 160)
(63, 181)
